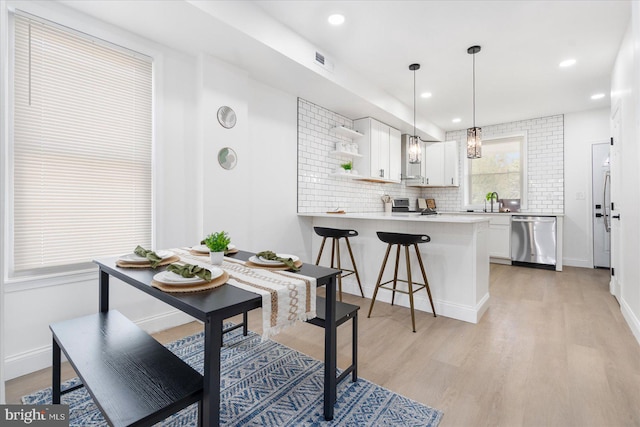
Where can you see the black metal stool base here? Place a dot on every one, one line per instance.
(335, 234)
(406, 240)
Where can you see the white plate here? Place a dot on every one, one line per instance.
(133, 258)
(261, 261)
(205, 249)
(172, 278)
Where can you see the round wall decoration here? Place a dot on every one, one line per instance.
(227, 158)
(226, 117)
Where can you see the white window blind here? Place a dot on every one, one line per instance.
(81, 148)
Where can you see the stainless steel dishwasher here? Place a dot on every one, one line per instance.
(533, 241)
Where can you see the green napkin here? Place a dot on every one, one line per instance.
(189, 270)
(153, 258)
(271, 256)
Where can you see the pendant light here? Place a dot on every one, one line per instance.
(415, 152)
(474, 134)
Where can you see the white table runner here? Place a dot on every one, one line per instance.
(287, 297)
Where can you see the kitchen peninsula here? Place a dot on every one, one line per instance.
(456, 259)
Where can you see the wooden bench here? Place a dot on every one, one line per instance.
(132, 378)
(344, 312)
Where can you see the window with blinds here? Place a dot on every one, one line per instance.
(82, 135)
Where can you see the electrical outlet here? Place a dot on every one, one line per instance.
(580, 195)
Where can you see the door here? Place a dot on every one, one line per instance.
(616, 199)
(601, 205)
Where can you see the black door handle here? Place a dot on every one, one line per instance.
(598, 215)
(616, 217)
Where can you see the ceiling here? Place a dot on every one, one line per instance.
(517, 72)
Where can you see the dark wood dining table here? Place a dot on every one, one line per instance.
(212, 307)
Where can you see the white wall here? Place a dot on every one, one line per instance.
(4, 88)
(625, 191)
(30, 306)
(256, 201)
(581, 131)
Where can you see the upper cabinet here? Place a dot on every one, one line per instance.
(380, 150)
(439, 166)
(433, 159)
(451, 171)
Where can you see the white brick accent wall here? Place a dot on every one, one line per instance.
(545, 158)
(318, 191)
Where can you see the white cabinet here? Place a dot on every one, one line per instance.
(395, 160)
(439, 166)
(500, 237)
(380, 150)
(451, 163)
(434, 164)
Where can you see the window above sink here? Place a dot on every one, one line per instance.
(502, 169)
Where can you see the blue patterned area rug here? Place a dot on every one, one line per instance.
(268, 384)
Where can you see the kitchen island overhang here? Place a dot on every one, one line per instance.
(456, 259)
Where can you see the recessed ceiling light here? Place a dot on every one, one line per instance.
(457, 120)
(567, 63)
(425, 95)
(597, 96)
(336, 19)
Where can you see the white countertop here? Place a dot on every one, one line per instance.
(405, 216)
(502, 213)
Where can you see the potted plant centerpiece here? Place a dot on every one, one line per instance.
(347, 166)
(217, 244)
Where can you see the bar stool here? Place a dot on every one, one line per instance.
(406, 240)
(336, 234)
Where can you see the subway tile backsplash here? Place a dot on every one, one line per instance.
(545, 164)
(319, 191)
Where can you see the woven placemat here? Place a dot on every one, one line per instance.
(218, 281)
(166, 261)
(276, 267)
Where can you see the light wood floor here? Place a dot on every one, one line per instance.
(552, 350)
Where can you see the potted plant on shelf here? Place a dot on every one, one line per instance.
(347, 167)
(217, 244)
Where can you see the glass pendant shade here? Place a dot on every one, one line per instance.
(474, 143)
(415, 152)
(474, 134)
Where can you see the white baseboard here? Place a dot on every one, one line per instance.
(421, 302)
(614, 288)
(632, 320)
(573, 262)
(38, 358)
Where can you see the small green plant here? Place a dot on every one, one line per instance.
(217, 242)
(490, 196)
(347, 166)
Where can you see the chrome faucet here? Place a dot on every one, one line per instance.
(497, 200)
